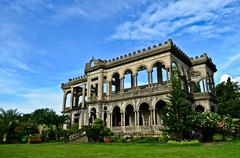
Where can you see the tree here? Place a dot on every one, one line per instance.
(228, 98)
(97, 131)
(9, 121)
(178, 109)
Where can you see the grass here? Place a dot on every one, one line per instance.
(61, 150)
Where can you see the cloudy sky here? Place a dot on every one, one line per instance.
(45, 42)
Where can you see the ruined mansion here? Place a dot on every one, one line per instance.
(128, 92)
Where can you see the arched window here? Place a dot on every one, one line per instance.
(116, 116)
(201, 85)
(199, 108)
(93, 116)
(142, 76)
(144, 113)
(129, 115)
(159, 73)
(68, 99)
(115, 83)
(128, 80)
(159, 111)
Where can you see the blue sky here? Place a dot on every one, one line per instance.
(45, 42)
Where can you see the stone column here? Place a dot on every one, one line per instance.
(100, 85)
(135, 118)
(83, 95)
(64, 101)
(159, 75)
(72, 98)
(121, 119)
(150, 120)
(88, 87)
(150, 78)
(121, 84)
(110, 119)
(134, 81)
(207, 84)
(167, 74)
(204, 86)
(154, 117)
(124, 124)
(80, 121)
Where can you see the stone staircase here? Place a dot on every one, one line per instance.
(78, 138)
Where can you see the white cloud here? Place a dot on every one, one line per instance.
(224, 78)
(202, 18)
(47, 97)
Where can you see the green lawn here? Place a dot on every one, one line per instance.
(61, 150)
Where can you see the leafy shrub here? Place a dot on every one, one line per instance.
(217, 137)
(163, 138)
(118, 139)
(184, 142)
(24, 139)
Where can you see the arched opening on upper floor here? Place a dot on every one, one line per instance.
(142, 77)
(129, 115)
(68, 99)
(116, 116)
(93, 115)
(128, 80)
(199, 108)
(144, 114)
(159, 73)
(194, 88)
(115, 83)
(201, 85)
(159, 111)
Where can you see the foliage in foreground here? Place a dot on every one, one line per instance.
(228, 98)
(176, 114)
(97, 131)
(44, 123)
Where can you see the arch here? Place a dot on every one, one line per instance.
(93, 115)
(129, 115)
(159, 73)
(144, 114)
(105, 108)
(115, 82)
(128, 79)
(159, 111)
(157, 61)
(142, 76)
(68, 99)
(116, 116)
(201, 85)
(199, 108)
(194, 88)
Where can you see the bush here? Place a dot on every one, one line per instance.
(163, 138)
(118, 139)
(217, 137)
(184, 142)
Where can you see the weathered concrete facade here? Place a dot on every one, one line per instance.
(128, 92)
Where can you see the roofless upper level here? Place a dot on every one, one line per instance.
(139, 74)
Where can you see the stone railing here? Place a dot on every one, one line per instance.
(142, 130)
(136, 92)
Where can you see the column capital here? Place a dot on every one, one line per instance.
(149, 71)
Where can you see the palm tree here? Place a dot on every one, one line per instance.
(9, 121)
